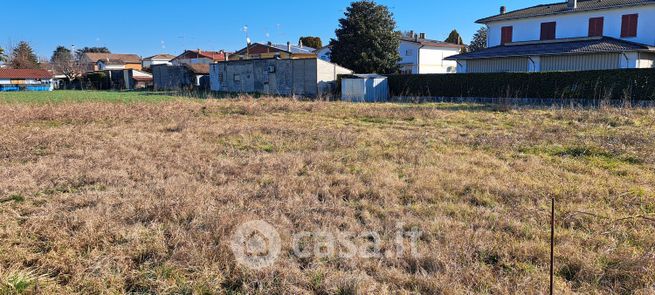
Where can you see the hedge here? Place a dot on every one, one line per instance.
(626, 84)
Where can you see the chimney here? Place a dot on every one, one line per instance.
(411, 34)
(422, 36)
(503, 10)
(289, 46)
(300, 43)
(573, 4)
(270, 43)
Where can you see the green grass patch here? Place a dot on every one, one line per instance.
(15, 198)
(62, 96)
(595, 155)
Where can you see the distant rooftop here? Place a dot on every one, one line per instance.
(163, 56)
(24, 74)
(433, 43)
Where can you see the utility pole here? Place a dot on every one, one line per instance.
(552, 246)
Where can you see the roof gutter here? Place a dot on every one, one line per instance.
(484, 21)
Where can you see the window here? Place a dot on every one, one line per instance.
(596, 26)
(506, 35)
(629, 25)
(237, 78)
(408, 52)
(548, 31)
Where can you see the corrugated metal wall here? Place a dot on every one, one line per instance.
(580, 62)
(498, 65)
(374, 89)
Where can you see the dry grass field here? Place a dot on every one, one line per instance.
(122, 196)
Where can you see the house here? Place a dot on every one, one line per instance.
(25, 80)
(424, 56)
(270, 50)
(324, 53)
(310, 77)
(159, 59)
(418, 54)
(109, 61)
(118, 79)
(199, 57)
(180, 77)
(575, 35)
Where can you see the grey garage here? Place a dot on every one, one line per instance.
(287, 77)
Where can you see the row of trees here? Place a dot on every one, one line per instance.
(63, 60)
(367, 40)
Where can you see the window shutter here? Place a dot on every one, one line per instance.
(548, 31)
(506, 35)
(629, 25)
(596, 26)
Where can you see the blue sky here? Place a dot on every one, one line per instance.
(147, 27)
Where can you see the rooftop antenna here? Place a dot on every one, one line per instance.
(245, 30)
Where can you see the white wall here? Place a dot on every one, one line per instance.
(409, 52)
(427, 59)
(432, 60)
(153, 62)
(575, 25)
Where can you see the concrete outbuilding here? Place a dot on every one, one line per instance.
(365, 88)
(288, 77)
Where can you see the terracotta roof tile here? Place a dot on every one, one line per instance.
(24, 74)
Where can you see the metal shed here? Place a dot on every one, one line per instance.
(365, 88)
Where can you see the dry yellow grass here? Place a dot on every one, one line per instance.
(106, 198)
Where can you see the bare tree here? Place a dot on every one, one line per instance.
(63, 62)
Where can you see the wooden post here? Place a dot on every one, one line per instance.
(552, 247)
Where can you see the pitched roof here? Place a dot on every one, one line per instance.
(126, 58)
(24, 74)
(279, 47)
(162, 56)
(294, 49)
(557, 47)
(562, 8)
(198, 69)
(213, 55)
(433, 43)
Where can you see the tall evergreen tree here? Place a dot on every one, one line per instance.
(84, 50)
(455, 38)
(23, 57)
(3, 57)
(367, 41)
(479, 41)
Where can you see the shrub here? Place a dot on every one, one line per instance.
(626, 84)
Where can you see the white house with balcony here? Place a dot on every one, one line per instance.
(576, 35)
(418, 55)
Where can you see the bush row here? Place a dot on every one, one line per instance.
(627, 84)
